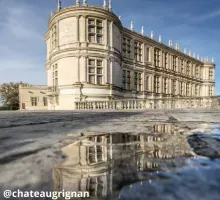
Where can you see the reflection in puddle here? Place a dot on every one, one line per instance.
(104, 163)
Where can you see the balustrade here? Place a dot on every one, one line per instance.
(140, 104)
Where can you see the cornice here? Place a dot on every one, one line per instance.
(84, 11)
(85, 51)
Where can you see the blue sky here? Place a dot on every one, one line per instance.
(194, 24)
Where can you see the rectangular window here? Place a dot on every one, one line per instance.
(148, 54)
(166, 86)
(182, 66)
(196, 90)
(174, 87)
(137, 81)
(54, 36)
(45, 101)
(188, 68)
(187, 90)
(95, 31)
(147, 83)
(182, 88)
(210, 91)
(138, 51)
(174, 63)
(210, 74)
(197, 71)
(156, 57)
(126, 79)
(156, 84)
(55, 77)
(127, 47)
(166, 60)
(95, 71)
(34, 101)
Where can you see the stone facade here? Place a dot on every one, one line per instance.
(33, 97)
(92, 57)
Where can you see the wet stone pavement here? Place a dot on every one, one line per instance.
(158, 155)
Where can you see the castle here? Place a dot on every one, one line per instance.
(92, 58)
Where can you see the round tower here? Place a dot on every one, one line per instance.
(208, 78)
(83, 54)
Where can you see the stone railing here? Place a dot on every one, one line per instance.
(140, 104)
(23, 85)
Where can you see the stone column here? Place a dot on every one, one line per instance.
(83, 30)
(78, 69)
(161, 58)
(170, 87)
(213, 90)
(111, 71)
(106, 70)
(169, 61)
(192, 89)
(57, 35)
(111, 35)
(162, 85)
(106, 32)
(177, 63)
(213, 73)
(144, 80)
(132, 80)
(85, 69)
(144, 53)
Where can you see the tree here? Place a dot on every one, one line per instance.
(9, 95)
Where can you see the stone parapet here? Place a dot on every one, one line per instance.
(157, 103)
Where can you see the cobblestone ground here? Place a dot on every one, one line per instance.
(31, 143)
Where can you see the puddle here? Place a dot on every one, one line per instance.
(105, 163)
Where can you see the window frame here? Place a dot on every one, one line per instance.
(126, 46)
(34, 101)
(138, 51)
(138, 81)
(157, 57)
(95, 73)
(95, 33)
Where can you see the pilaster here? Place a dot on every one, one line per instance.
(106, 32)
(77, 28)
